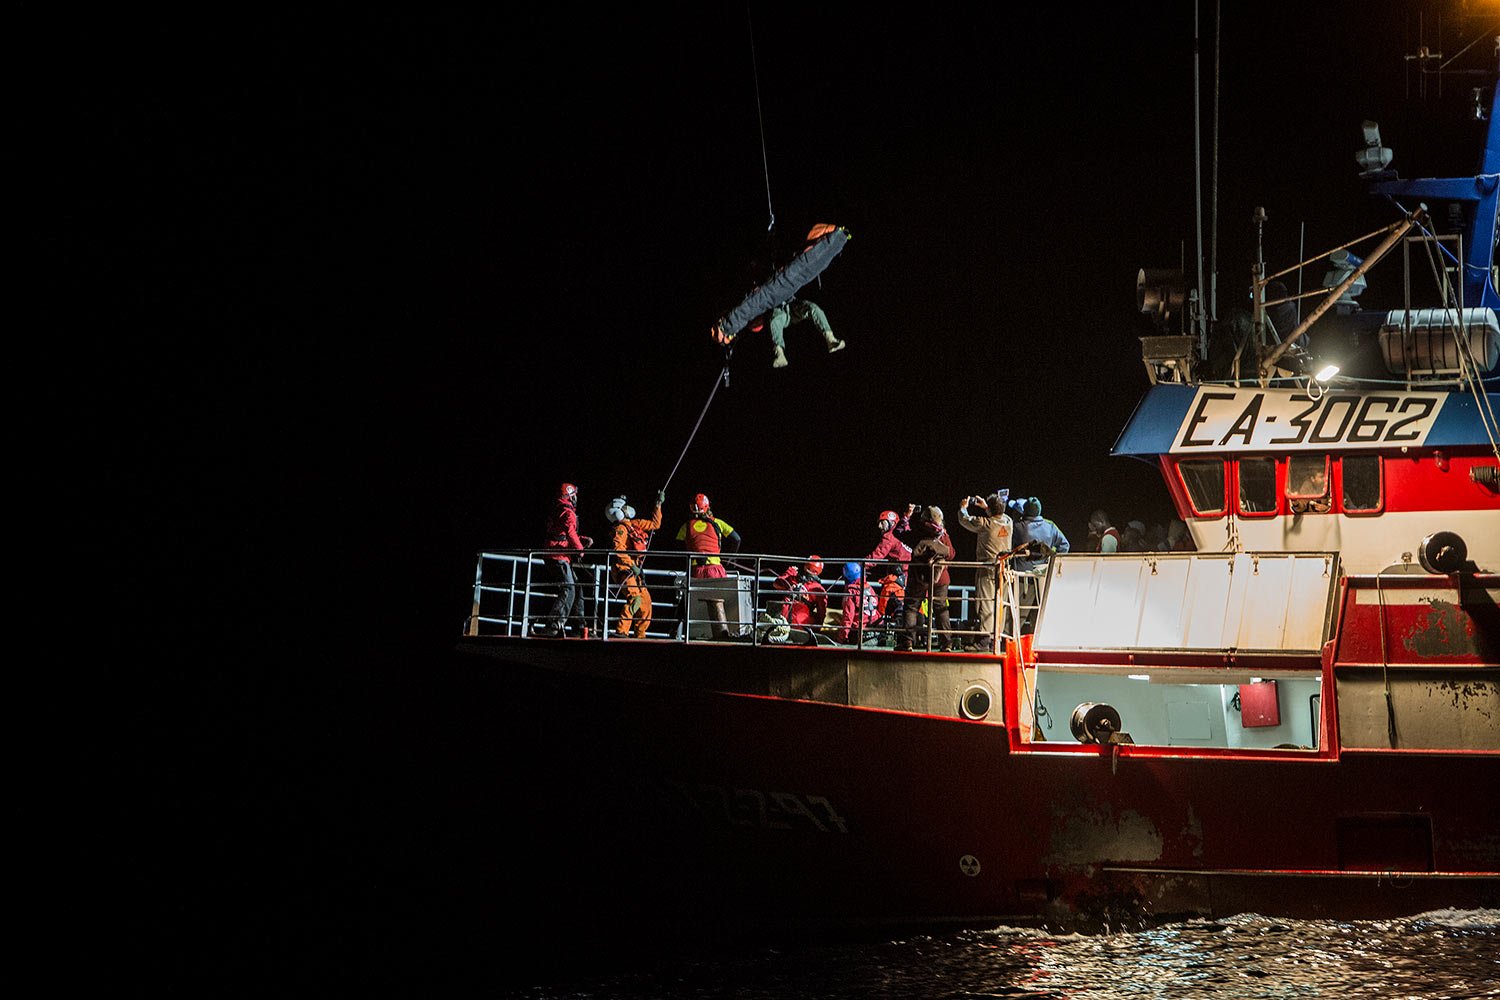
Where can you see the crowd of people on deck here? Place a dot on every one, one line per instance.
(894, 596)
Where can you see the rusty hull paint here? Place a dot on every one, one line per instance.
(1082, 837)
(1447, 629)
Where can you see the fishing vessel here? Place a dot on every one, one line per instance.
(1299, 717)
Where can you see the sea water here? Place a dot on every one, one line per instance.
(1442, 954)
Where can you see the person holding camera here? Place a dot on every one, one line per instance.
(986, 518)
(928, 583)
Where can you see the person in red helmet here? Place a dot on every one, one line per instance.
(891, 548)
(562, 534)
(807, 604)
(702, 532)
(706, 534)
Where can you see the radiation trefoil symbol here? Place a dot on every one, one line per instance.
(969, 865)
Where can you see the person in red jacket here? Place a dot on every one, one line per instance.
(928, 580)
(707, 534)
(808, 604)
(890, 548)
(860, 607)
(562, 534)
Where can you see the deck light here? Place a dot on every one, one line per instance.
(1326, 372)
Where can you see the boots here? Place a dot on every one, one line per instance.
(720, 620)
(909, 629)
(780, 360)
(834, 344)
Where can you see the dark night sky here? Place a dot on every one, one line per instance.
(391, 278)
(331, 302)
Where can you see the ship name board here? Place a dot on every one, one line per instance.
(1224, 419)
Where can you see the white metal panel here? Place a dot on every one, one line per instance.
(1070, 592)
(1211, 606)
(1117, 604)
(1164, 617)
(1204, 601)
(1267, 593)
(1307, 621)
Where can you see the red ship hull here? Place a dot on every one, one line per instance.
(693, 809)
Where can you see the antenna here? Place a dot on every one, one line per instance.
(1213, 197)
(1201, 314)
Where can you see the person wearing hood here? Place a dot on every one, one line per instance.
(1133, 538)
(1040, 535)
(562, 535)
(631, 534)
(807, 603)
(928, 580)
(1041, 539)
(986, 518)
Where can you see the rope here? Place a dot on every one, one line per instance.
(1385, 673)
(1468, 364)
(755, 72)
(721, 379)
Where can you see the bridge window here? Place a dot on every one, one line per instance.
(1257, 485)
(1361, 474)
(1204, 480)
(1307, 484)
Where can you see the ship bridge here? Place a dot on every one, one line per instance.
(1372, 475)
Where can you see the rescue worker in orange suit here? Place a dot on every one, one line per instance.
(562, 533)
(631, 534)
(928, 581)
(859, 604)
(889, 605)
(706, 534)
(808, 604)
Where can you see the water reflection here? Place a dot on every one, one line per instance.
(1444, 954)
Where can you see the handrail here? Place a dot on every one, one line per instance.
(681, 603)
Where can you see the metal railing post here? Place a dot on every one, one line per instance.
(526, 597)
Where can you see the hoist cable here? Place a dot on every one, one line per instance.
(760, 117)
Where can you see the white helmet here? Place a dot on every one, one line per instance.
(618, 511)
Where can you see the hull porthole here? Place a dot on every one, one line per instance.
(969, 865)
(976, 701)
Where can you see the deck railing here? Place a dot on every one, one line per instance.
(516, 593)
